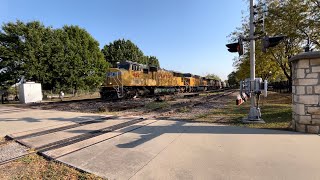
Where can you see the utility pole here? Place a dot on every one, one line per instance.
(254, 113)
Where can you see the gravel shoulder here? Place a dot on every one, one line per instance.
(208, 107)
(176, 108)
(11, 150)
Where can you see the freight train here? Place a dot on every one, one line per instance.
(132, 79)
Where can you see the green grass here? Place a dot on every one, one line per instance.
(276, 112)
(209, 93)
(184, 109)
(34, 166)
(153, 106)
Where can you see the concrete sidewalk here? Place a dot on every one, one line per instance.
(164, 149)
(14, 120)
(180, 150)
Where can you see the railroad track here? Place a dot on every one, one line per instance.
(92, 133)
(225, 93)
(204, 99)
(82, 123)
(71, 140)
(72, 101)
(100, 100)
(85, 136)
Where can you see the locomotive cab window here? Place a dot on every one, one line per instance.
(187, 75)
(177, 74)
(145, 71)
(153, 69)
(136, 68)
(124, 66)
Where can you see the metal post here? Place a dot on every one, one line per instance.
(254, 113)
(252, 48)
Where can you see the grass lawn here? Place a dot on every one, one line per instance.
(36, 167)
(152, 106)
(276, 111)
(210, 93)
(2, 139)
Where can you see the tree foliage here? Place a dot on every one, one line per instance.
(232, 79)
(122, 50)
(213, 76)
(153, 61)
(66, 58)
(298, 20)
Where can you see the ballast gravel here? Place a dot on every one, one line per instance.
(11, 150)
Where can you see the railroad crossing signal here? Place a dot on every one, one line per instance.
(268, 42)
(236, 47)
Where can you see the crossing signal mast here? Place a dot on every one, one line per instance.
(253, 87)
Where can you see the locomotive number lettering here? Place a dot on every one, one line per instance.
(136, 75)
(113, 74)
(164, 76)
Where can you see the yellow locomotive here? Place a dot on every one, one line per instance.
(132, 79)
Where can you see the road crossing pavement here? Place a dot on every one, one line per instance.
(147, 148)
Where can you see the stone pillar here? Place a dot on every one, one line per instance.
(306, 92)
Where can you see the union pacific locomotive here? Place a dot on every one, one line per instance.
(131, 79)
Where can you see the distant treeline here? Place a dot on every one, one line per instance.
(67, 58)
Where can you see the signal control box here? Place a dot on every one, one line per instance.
(257, 86)
(249, 88)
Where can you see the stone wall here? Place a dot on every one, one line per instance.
(306, 92)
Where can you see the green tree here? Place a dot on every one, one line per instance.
(84, 66)
(37, 52)
(296, 19)
(314, 22)
(24, 51)
(213, 76)
(122, 50)
(67, 58)
(153, 61)
(232, 79)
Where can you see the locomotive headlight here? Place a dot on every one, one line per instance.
(110, 83)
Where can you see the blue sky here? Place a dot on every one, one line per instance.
(185, 35)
